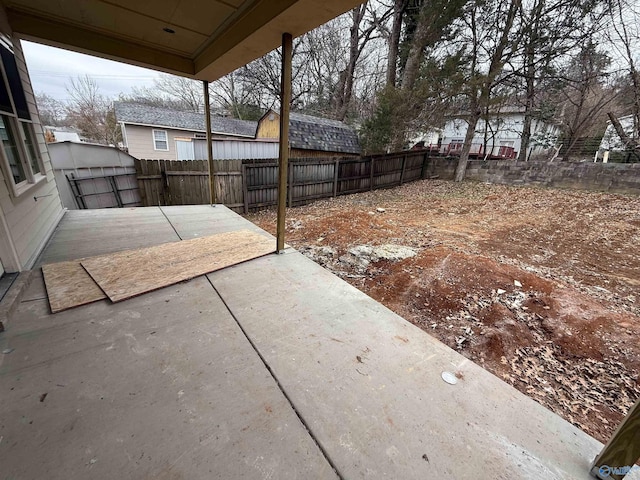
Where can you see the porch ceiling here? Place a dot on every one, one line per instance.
(211, 37)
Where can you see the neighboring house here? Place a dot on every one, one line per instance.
(611, 141)
(501, 137)
(30, 206)
(61, 134)
(155, 133)
(312, 136)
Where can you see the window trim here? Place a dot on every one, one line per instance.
(32, 179)
(153, 138)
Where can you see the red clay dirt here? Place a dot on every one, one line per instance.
(538, 286)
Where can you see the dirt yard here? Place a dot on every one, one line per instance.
(538, 286)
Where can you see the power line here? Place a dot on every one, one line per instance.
(43, 73)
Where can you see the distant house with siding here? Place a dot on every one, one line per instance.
(311, 136)
(612, 141)
(499, 137)
(160, 133)
(61, 134)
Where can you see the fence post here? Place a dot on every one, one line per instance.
(165, 199)
(371, 177)
(425, 157)
(290, 183)
(404, 166)
(137, 163)
(245, 189)
(335, 177)
(622, 450)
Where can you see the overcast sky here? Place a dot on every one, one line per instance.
(51, 69)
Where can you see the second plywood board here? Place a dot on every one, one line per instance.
(69, 285)
(127, 274)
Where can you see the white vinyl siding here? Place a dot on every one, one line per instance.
(30, 218)
(160, 140)
(140, 142)
(20, 159)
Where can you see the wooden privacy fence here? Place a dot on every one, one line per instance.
(246, 185)
(186, 182)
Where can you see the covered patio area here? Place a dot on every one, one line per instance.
(274, 368)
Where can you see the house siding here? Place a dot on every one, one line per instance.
(140, 142)
(508, 129)
(28, 222)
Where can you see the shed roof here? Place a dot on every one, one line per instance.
(307, 132)
(316, 133)
(139, 114)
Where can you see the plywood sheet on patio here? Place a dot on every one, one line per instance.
(128, 274)
(69, 285)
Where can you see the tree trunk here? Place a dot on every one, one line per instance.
(394, 41)
(354, 53)
(461, 168)
(414, 59)
(626, 139)
(525, 139)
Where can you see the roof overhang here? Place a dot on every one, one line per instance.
(203, 39)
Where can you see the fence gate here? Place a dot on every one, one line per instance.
(170, 182)
(106, 191)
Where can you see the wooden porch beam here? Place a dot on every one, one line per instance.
(207, 115)
(283, 157)
(620, 454)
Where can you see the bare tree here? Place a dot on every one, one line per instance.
(584, 94)
(364, 23)
(51, 111)
(234, 96)
(492, 41)
(623, 33)
(551, 30)
(187, 92)
(91, 112)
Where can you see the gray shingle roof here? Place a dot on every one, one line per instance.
(140, 114)
(315, 133)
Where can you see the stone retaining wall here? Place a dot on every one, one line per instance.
(608, 177)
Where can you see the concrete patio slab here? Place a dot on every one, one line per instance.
(162, 386)
(36, 289)
(274, 368)
(200, 220)
(111, 230)
(368, 385)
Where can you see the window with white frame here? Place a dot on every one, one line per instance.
(20, 154)
(160, 140)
